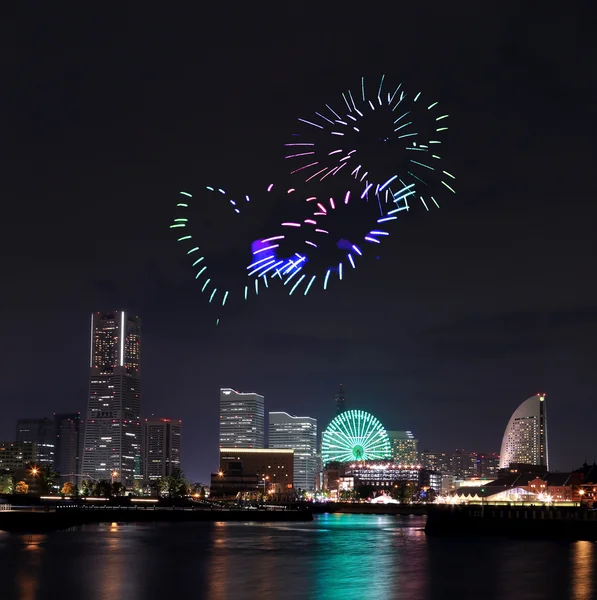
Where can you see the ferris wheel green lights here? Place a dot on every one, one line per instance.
(355, 435)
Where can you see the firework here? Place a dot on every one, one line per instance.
(382, 137)
(294, 253)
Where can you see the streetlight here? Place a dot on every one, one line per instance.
(581, 493)
(34, 471)
(114, 474)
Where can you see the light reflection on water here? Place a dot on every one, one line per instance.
(335, 557)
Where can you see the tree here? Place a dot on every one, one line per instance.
(7, 483)
(68, 489)
(118, 489)
(86, 487)
(173, 485)
(42, 477)
(102, 488)
(21, 488)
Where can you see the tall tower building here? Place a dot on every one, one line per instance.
(525, 438)
(42, 433)
(112, 448)
(340, 401)
(242, 419)
(68, 447)
(161, 447)
(298, 434)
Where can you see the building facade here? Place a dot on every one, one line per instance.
(112, 448)
(16, 456)
(161, 447)
(242, 419)
(437, 461)
(42, 433)
(298, 434)
(254, 469)
(525, 438)
(68, 447)
(404, 447)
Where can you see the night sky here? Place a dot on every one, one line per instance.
(469, 310)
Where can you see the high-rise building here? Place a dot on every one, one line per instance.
(112, 447)
(298, 434)
(525, 438)
(340, 401)
(242, 419)
(42, 433)
(161, 447)
(463, 464)
(68, 447)
(436, 461)
(488, 465)
(404, 447)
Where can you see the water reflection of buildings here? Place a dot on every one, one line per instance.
(584, 571)
(29, 573)
(388, 559)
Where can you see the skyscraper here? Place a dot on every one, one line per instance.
(525, 438)
(242, 419)
(42, 433)
(298, 434)
(161, 447)
(404, 447)
(112, 447)
(340, 401)
(68, 447)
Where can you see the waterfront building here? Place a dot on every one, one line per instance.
(112, 447)
(525, 438)
(242, 419)
(404, 447)
(69, 445)
(254, 469)
(42, 433)
(298, 434)
(161, 447)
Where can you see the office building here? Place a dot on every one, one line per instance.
(17, 456)
(463, 464)
(404, 447)
(242, 419)
(298, 434)
(68, 447)
(340, 401)
(112, 448)
(161, 447)
(269, 471)
(42, 433)
(436, 461)
(525, 438)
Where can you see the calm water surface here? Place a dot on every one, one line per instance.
(345, 557)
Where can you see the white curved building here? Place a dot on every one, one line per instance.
(525, 438)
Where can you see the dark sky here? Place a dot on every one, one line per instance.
(469, 311)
